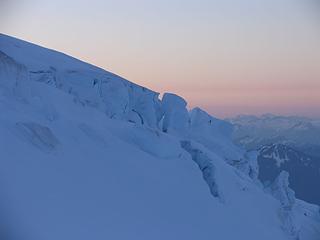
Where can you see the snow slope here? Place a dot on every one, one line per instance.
(85, 154)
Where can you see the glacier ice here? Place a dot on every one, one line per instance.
(86, 154)
(176, 117)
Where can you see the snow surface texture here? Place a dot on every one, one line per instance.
(85, 154)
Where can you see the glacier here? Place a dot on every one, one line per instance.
(86, 154)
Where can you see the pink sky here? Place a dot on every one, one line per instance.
(229, 57)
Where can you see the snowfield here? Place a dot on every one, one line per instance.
(86, 154)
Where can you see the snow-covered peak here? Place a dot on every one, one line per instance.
(109, 93)
(282, 153)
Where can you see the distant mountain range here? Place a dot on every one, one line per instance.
(284, 143)
(301, 133)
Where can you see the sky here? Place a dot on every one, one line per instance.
(229, 57)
